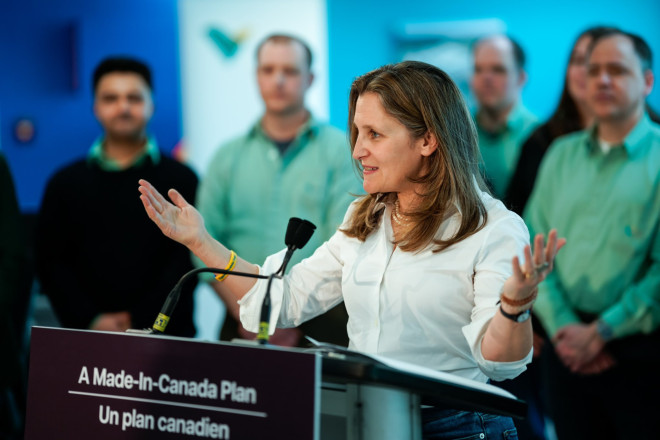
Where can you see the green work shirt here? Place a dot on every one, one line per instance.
(250, 190)
(500, 151)
(607, 205)
(97, 155)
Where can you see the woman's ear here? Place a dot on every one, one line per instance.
(429, 144)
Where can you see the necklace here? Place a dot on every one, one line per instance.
(397, 217)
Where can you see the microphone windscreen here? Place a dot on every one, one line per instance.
(292, 227)
(303, 233)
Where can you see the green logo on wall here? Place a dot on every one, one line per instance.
(227, 44)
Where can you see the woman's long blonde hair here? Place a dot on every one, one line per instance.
(424, 99)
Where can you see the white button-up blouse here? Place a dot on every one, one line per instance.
(425, 308)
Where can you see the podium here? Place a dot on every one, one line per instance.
(88, 384)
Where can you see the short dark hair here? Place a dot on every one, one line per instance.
(518, 53)
(284, 38)
(640, 46)
(121, 64)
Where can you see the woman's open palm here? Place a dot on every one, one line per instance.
(179, 220)
(526, 277)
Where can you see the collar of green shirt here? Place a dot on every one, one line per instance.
(633, 143)
(515, 120)
(518, 117)
(309, 128)
(97, 156)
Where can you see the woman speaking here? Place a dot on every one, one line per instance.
(432, 269)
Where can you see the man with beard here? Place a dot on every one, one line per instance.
(101, 263)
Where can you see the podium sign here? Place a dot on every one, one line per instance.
(86, 384)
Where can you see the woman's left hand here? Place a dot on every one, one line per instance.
(506, 341)
(526, 277)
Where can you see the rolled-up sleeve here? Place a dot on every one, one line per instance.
(497, 371)
(506, 239)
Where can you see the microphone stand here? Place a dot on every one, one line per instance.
(298, 233)
(264, 318)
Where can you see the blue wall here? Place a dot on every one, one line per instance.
(361, 37)
(48, 50)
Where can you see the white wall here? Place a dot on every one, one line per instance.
(220, 99)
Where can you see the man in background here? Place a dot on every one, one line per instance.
(15, 283)
(100, 260)
(601, 306)
(503, 123)
(287, 165)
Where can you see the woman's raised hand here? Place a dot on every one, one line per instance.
(526, 277)
(179, 221)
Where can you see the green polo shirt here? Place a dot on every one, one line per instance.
(607, 205)
(97, 155)
(500, 151)
(250, 189)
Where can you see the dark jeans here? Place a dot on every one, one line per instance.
(620, 403)
(449, 424)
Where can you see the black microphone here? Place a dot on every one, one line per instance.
(298, 233)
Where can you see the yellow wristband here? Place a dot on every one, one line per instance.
(230, 267)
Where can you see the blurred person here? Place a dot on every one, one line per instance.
(601, 307)
(422, 261)
(103, 267)
(503, 123)
(15, 281)
(572, 114)
(287, 165)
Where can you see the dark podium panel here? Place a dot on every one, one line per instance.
(87, 384)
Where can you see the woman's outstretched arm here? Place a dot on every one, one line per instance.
(181, 222)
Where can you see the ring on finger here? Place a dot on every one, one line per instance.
(538, 270)
(541, 268)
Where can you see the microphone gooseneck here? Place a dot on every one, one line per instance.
(173, 297)
(298, 233)
(264, 317)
